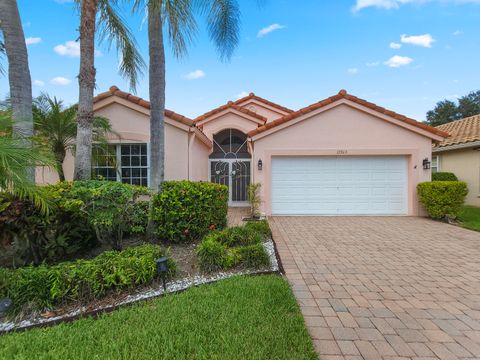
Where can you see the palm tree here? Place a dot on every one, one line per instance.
(18, 74)
(15, 162)
(56, 126)
(178, 17)
(99, 15)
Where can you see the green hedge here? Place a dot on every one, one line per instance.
(236, 246)
(111, 208)
(444, 176)
(442, 199)
(45, 286)
(186, 211)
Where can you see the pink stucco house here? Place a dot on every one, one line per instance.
(340, 156)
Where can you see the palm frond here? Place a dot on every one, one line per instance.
(178, 17)
(113, 29)
(15, 160)
(223, 19)
(3, 54)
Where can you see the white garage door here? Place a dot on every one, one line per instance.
(329, 185)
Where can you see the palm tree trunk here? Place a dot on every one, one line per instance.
(18, 72)
(59, 159)
(86, 81)
(157, 96)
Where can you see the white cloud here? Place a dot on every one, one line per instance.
(267, 30)
(395, 4)
(397, 61)
(394, 45)
(241, 94)
(373, 63)
(352, 71)
(425, 40)
(194, 75)
(71, 49)
(457, 32)
(32, 40)
(60, 80)
(39, 83)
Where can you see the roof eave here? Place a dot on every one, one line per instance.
(466, 145)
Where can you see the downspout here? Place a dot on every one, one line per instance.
(250, 148)
(191, 138)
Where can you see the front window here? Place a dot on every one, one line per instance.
(435, 164)
(127, 163)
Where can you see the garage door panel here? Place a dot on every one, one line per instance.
(339, 185)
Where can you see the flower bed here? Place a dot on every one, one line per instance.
(44, 286)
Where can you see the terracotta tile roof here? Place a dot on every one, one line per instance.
(344, 95)
(229, 105)
(461, 131)
(115, 91)
(265, 101)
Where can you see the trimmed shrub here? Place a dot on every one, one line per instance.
(186, 211)
(236, 246)
(37, 288)
(444, 176)
(109, 206)
(442, 199)
(137, 219)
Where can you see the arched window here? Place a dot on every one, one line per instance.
(230, 144)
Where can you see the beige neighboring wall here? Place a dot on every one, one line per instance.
(349, 129)
(465, 164)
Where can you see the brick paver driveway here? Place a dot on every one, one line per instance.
(373, 288)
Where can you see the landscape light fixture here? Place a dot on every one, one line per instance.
(162, 269)
(5, 305)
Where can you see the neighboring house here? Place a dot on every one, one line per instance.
(340, 156)
(460, 154)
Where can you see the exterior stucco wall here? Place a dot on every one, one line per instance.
(198, 159)
(262, 110)
(227, 121)
(465, 163)
(131, 126)
(344, 131)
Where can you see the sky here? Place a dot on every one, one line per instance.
(404, 55)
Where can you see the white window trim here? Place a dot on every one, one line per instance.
(438, 167)
(118, 155)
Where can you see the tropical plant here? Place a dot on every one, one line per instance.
(254, 199)
(56, 126)
(2, 55)
(16, 160)
(99, 15)
(178, 17)
(19, 78)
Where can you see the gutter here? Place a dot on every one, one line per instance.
(467, 145)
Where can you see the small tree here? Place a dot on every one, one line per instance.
(254, 199)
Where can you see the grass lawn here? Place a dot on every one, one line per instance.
(238, 318)
(470, 217)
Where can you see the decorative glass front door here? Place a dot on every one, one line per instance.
(235, 174)
(230, 164)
